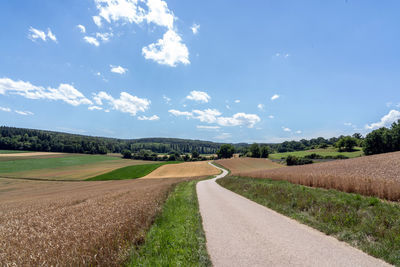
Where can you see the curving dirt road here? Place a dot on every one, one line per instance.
(241, 232)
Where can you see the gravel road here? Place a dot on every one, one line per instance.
(241, 232)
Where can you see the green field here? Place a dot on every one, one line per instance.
(368, 223)
(13, 151)
(330, 151)
(22, 164)
(130, 172)
(177, 236)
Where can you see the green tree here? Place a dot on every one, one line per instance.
(255, 150)
(226, 151)
(195, 154)
(126, 154)
(265, 150)
(346, 143)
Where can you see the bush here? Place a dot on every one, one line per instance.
(313, 156)
(126, 154)
(293, 160)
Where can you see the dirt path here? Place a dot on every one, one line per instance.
(241, 232)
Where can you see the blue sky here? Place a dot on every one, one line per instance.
(231, 71)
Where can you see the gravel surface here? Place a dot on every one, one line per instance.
(241, 232)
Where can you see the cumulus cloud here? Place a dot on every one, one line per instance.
(158, 13)
(126, 103)
(260, 106)
(206, 127)
(237, 101)
(24, 113)
(81, 28)
(91, 40)
(95, 108)
(385, 121)
(5, 109)
(35, 34)
(195, 28)
(198, 96)
(168, 51)
(118, 69)
(151, 118)
(104, 36)
(214, 116)
(274, 97)
(64, 92)
(286, 129)
(97, 20)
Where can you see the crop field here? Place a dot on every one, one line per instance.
(237, 165)
(76, 223)
(56, 166)
(12, 151)
(330, 151)
(377, 175)
(187, 169)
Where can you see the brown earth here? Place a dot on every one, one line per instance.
(186, 169)
(236, 165)
(76, 223)
(77, 172)
(377, 175)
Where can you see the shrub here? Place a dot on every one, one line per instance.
(293, 160)
(126, 154)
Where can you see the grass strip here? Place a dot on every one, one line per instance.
(177, 237)
(129, 172)
(367, 223)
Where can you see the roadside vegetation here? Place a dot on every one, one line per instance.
(176, 237)
(130, 172)
(367, 223)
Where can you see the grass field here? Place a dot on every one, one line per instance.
(130, 172)
(186, 169)
(376, 175)
(177, 236)
(330, 151)
(364, 222)
(12, 151)
(47, 223)
(62, 166)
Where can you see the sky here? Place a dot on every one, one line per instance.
(225, 71)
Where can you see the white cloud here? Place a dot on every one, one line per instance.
(274, 97)
(167, 99)
(271, 116)
(286, 129)
(95, 108)
(180, 113)
(118, 69)
(104, 36)
(198, 96)
(5, 109)
(260, 106)
(151, 118)
(386, 120)
(298, 132)
(158, 13)
(214, 116)
(348, 124)
(239, 119)
(287, 55)
(25, 113)
(51, 36)
(168, 51)
(35, 34)
(206, 127)
(195, 28)
(97, 20)
(126, 103)
(91, 40)
(64, 92)
(223, 136)
(237, 101)
(81, 28)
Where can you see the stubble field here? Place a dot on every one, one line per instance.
(377, 175)
(186, 169)
(238, 165)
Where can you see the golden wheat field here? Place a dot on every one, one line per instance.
(46, 223)
(186, 169)
(237, 165)
(377, 175)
